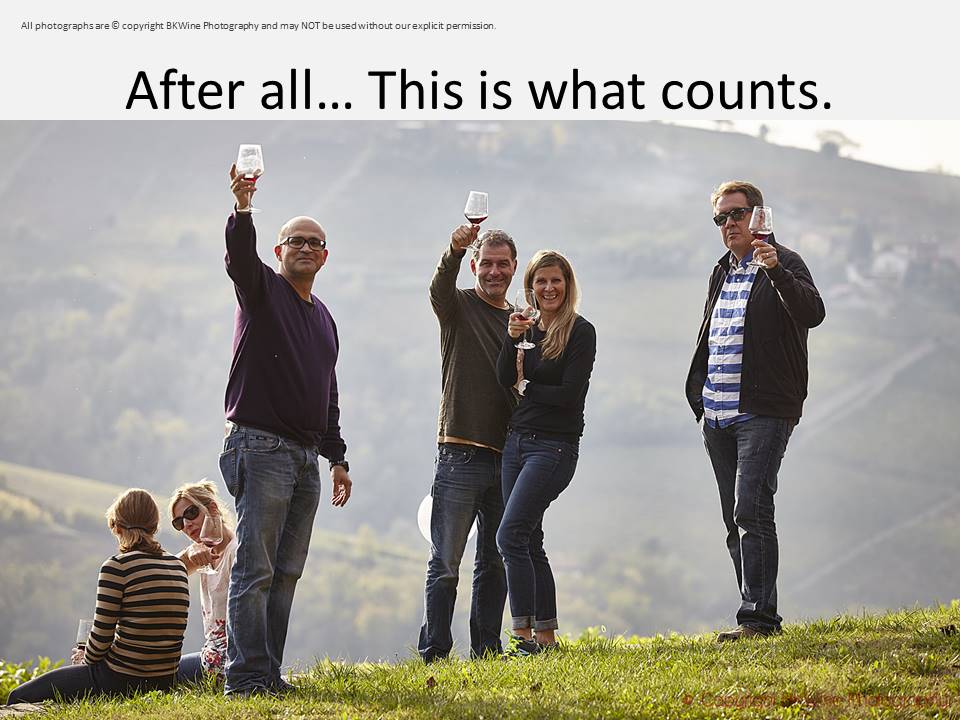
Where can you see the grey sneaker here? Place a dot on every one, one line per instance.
(744, 631)
(281, 687)
(522, 647)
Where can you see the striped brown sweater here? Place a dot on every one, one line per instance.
(141, 615)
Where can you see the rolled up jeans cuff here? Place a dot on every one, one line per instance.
(523, 623)
(545, 624)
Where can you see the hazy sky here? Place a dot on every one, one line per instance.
(908, 145)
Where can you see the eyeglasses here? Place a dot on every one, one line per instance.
(737, 214)
(190, 513)
(298, 241)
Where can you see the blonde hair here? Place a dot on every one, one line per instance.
(559, 331)
(203, 494)
(135, 518)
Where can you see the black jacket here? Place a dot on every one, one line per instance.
(784, 303)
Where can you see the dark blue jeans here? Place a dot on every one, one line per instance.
(535, 471)
(276, 485)
(190, 670)
(78, 681)
(746, 458)
(466, 486)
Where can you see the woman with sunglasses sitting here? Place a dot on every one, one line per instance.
(190, 505)
(141, 613)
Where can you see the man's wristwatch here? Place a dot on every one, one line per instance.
(342, 463)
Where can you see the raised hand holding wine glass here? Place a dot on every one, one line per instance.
(761, 227)
(476, 210)
(249, 167)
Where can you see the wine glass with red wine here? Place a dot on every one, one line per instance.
(761, 226)
(476, 210)
(211, 535)
(250, 165)
(527, 306)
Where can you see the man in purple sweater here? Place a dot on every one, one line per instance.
(282, 413)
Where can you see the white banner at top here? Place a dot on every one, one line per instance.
(478, 61)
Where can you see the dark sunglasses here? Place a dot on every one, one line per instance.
(737, 214)
(190, 513)
(297, 242)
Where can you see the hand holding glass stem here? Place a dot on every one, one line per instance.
(761, 226)
(527, 313)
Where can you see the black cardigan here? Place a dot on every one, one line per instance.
(784, 303)
(552, 404)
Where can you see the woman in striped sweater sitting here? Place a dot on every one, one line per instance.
(141, 615)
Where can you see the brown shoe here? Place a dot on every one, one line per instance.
(743, 631)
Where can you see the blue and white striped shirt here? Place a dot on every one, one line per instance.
(721, 391)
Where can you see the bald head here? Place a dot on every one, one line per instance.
(300, 225)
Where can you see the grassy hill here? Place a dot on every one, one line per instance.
(60, 504)
(902, 664)
(115, 359)
(53, 488)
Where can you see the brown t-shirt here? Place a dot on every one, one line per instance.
(474, 406)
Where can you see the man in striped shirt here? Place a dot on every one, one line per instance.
(748, 381)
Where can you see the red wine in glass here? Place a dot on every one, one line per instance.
(526, 306)
(477, 207)
(761, 226)
(250, 164)
(211, 535)
(476, 211)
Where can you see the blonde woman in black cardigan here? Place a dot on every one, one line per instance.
(543, 446)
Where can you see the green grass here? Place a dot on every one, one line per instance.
(903, 664)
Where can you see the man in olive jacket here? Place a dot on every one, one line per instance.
(471, 431)
(748, 381)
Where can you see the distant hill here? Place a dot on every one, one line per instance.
(68, 492)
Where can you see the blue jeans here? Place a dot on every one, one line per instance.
(190, 670)
(535, 471)
(276, 485)
(466, 486)
(73, 682)
(746, 458)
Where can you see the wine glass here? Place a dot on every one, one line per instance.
(527, 306)
(83, 632)
(211, 535)
(250, 165)
(761, 225)
(476, 210)
(477, 207)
